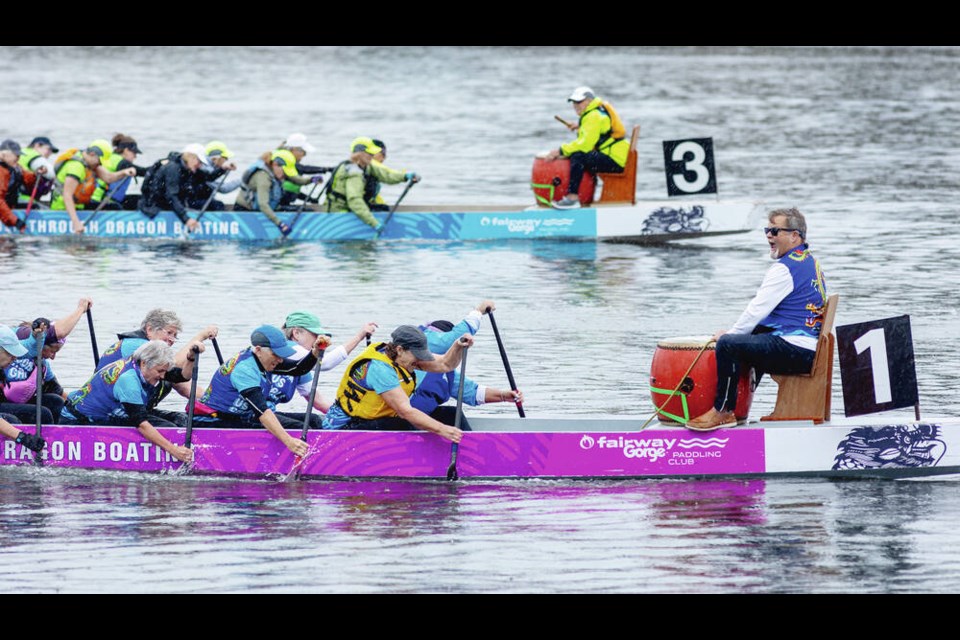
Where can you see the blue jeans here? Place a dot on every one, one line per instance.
(594, 162)
(765, 352)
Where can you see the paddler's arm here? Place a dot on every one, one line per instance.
(448, 361)
(112, 176)
(137, 415)
(304, 366)
(172, 194)
(256, 401)
(338, 355)
(65, 325)
(70, 184)
(397, 400)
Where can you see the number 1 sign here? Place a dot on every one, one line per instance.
(877, 366)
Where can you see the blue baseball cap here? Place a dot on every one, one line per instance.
(10, 343)
(269, 336)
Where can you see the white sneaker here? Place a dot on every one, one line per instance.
(568, 201)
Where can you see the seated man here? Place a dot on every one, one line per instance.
(778, 331)
(601, 144)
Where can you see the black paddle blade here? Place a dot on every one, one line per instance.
(452, 469)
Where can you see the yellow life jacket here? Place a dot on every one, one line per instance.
(360, 402)
(84, 191)
(617, 129)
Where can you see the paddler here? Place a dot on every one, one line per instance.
(374, 393)
(12, 177)
(32, 158)
(778, 331)
(238, 394)
(262, 185)
(434, 389)
(211, 178)
(600, 146)
(10, 348)
(355, 182)
(165, 185)
(77, 172)
(120, 394)
(125, 152)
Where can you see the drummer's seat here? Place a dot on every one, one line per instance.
(622, 187)
(806, 396)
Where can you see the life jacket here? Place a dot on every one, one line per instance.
(249, 196)
(617, 130)
(27, 156)
(95, 400)
(800, 313)
(337, 174)
(222, 397)
(118, 189)
(14, 181)
(360, 402)
(115, 351)
(84, 191)
(151, 179)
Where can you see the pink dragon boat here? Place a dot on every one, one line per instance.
(542, 447)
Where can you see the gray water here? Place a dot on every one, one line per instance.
(863, 140)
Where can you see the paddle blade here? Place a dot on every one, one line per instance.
(452, 469)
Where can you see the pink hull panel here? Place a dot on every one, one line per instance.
(356, 454)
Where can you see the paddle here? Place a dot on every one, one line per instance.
(302, 205)
(452, 469)
(107, 197)
(188, 441)
(41, 338)
(506, 364)
(297, 460)
(33, 195)
(568, 125)
(213, 193)
(93, 339)
(216, 347)
(394, 209)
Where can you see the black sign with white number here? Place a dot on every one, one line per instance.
(876, 366)
(689, 166)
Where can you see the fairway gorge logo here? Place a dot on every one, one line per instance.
(654, 448)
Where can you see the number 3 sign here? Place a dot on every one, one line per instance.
(689, 166)
(877, 366)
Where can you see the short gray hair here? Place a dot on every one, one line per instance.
(795, 220)
(153, 354)
(160, 319)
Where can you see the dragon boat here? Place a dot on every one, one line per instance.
(652, 222)
(516, 448)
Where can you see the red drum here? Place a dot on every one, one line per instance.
(551, 177)
(672, 359)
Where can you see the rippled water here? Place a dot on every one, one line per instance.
(863, 140)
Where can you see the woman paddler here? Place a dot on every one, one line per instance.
(262, 184)
(11, 348)
(120, 394)
(375, 390)
(77, 172)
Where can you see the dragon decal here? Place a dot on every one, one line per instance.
(894, 446)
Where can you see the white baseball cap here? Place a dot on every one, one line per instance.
(581, 93)
(197, 150)
(299, 140)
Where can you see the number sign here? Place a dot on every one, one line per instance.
(689, 166)
(876, 366)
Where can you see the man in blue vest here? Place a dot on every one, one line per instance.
(778, 331)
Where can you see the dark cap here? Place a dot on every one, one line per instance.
(269, 336)
(44, 140)
(10, 145)
(413, 340)
(132, 145)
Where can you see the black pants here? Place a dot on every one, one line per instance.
(594, 162)
(27, 413)
(289, 421)
(444, 414)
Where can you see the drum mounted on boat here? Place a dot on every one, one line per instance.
(685, 363)
(551, 177)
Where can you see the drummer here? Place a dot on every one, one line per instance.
(778, 331)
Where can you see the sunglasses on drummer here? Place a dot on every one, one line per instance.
(776, 230)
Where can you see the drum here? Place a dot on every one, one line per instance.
(671, 367)
(551, 177)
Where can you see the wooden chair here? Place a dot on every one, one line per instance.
(622, 187)
(807, 396)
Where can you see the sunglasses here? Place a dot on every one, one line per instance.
(774, 231)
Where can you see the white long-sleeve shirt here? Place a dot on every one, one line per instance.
(777, 284)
